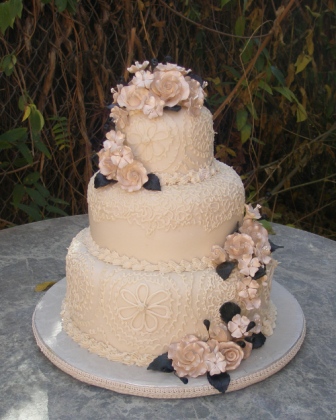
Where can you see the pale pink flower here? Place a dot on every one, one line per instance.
(215, 361)
(143, 79)
(119, 116)
(247, 349)
(258, 325)
(259, 235)
(137, 66)
(219, 332)
(122, 157)
(252, 213)
(237, 245)
(218, 255)
(248, 265)
(170, 67)
(116, 93)
(248, 291)
(233, 354)
(188, 356)
(153, 107)
(238, 325)
(170, 86)
(115, 140)
(132, 97)
(106, 165)
(196, 97)
(132, 177)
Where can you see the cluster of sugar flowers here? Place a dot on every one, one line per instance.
(250, 248)
(224, 350)
(149, 91)
(116, 162)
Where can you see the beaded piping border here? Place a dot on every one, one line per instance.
(167, 393)
(112, 257)
(193, 176)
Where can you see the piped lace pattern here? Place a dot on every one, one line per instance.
(208, 204)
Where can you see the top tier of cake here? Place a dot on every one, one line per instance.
(177, 143)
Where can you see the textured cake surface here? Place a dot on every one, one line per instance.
(131, 315)
(175, 143)
(181, 222)
(172, 261)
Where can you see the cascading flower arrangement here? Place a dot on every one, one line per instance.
(152, 89)
(232, 340)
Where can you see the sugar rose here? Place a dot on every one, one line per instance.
(189, 356)
(106, 165)
(233, 354)
(132, 177)
(238, 244)
(219, 332)
(170, 86)
(120, 117)
(218, 255)
(132, 97)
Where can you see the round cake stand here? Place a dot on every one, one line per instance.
(67, 355)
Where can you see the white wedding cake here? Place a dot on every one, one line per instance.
(172, 258)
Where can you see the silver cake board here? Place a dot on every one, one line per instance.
(78, 362)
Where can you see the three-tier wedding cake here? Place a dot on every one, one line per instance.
(173, 261)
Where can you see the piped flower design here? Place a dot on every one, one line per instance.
(144, 309)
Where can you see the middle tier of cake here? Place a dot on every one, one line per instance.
(179, 223)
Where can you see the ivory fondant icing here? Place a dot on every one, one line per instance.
(168, 242)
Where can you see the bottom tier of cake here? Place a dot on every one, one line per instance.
(130, 312)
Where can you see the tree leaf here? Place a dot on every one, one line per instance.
(55, 210)
(287, 93)
(58, 201)
(61, 5)
(310, 42)
(224, 2)
(43, 287)
(31, 211)
(278, 75)
(26, 113)
(36, 119)
(265, 86)
(26, 153)
(41, 146)
(44, 192)
(240, 26)
(31, 178)
(241, 118)
(301, 114)
(5, 145)
(6, 19)
(12, 136)
(15, 7)
(245, 133)
(247, 51)
(18, 193)
(267, 225)
(302, 61)
(36, 197)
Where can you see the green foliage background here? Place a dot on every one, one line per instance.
(271, 68)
